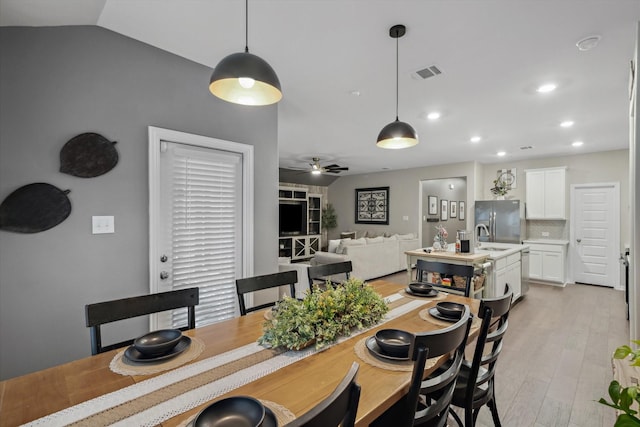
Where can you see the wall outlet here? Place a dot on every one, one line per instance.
(545, 234)
(102, 224)
(405, 218)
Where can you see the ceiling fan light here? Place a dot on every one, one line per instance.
(244, 78)
(397, 135)
(316, 172)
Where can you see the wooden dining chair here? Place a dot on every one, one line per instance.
(100, 313)
(339, 408)
(319, 274)
(476, 382)
(257, 283)
(464, 271)
(427, 401)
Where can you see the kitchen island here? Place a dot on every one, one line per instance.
(508, 265)
(449, 257)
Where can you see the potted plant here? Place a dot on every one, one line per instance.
(625, 398)
(323, 315)
(329, 220)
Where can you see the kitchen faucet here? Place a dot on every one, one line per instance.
(478, 232)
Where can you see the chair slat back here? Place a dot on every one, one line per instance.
(423, 267)
(100, 313)
(320, 273)
(257, 283)
(439, 388)
(339, 408)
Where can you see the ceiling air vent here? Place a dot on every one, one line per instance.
(425, 73)
(526, 147)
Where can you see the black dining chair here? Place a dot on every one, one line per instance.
(339, 408)
(319, 274)
(463, 271)
(266, 281)
(100, 313)
(427, 401)
(476, 382)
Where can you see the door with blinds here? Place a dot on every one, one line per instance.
(199, 229)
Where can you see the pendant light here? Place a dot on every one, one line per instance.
(244, 78)
(397, 134)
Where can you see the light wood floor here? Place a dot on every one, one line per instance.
(556, 360)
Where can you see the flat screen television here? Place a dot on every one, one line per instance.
(293, 218)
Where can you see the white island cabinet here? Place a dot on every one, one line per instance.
(547, 260)
(506, 268)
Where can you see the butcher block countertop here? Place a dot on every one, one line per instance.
(449, 256)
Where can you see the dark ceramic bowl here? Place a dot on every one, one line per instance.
(450, 309)
(394, 342)
(420, 288)
(237, 411)
(157, 343)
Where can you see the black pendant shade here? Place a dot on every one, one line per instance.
(244, 78)
(247, 79)
(397, 134)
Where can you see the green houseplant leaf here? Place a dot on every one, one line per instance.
(624, 398)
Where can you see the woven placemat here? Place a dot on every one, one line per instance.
(121, 365)
(424, 315)
(283, 415)
(440, 296)
(392, 365)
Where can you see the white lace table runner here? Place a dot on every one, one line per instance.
(80, 414)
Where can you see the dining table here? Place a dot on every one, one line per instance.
(99, 389)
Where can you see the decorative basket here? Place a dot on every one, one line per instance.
(459, 281)
(478, 281)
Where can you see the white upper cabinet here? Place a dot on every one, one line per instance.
(545, 193)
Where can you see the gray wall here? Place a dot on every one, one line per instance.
(404, 196)
(54, 84)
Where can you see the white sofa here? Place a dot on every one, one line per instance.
(370, 257)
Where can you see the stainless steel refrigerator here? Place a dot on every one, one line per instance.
(504, 220)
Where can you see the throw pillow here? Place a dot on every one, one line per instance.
(375, 240)
(333, 245)
(350, 242)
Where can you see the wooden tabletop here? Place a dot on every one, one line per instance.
(298, 387)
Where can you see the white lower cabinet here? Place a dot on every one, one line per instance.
(547, 261)
(508, 270)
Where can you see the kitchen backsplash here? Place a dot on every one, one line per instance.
(557, 229)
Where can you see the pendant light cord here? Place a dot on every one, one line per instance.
(397, 60)
(246, 26)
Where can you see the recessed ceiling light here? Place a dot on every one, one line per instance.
(501, 153)
(435, 115)
(567, 124)
(355, 93)
(475, 139)
(546, 88)
(577, 143)
(588, 43)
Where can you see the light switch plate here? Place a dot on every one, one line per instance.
(405, 218)
(545, 234)
(102, 224)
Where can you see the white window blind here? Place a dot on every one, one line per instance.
(205, 229)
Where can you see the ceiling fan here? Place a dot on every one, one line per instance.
(317, 168)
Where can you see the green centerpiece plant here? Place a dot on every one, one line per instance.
(624, 398)
(324, 315)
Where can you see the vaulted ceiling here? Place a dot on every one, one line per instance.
(336, 63)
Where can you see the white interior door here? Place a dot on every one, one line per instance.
(595, 234)
(199, 223)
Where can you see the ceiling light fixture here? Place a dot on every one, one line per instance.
(397, 134)
(433, 115)
(588, 43)
(546, 88)
(475, 139)
(566, 124)
(577, 143)
(501, 153)
(244, 78)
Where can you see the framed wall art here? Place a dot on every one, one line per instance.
(444, 210)
(433, 205)
(461, 210)
(372, 205)
(453, 209)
